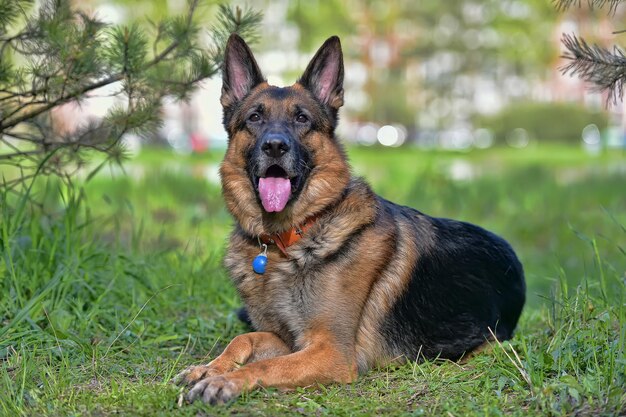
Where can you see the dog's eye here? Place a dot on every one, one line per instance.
(254, 117)
(301, 118)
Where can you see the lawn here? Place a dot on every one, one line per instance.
(117, 284)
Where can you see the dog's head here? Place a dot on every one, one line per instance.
(283, 163)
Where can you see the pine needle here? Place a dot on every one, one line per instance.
(593, 4)
(597, 65)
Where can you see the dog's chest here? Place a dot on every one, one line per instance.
(281, 299)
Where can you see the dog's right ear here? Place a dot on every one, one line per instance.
(324, 75)
(240, 72)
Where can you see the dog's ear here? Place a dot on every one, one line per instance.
(324, 74)
(240, 72)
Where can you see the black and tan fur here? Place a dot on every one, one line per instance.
(370, 282)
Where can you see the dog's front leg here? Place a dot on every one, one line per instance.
(320, 362)
(245, 348)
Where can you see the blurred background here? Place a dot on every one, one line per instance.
(449, 75)
(457, 108)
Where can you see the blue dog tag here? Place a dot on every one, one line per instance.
(260, 262)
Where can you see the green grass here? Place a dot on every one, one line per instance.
(118, 284)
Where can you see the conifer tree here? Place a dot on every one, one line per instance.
(57, 54)
(604, 68)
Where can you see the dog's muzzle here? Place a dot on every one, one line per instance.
(276, 173)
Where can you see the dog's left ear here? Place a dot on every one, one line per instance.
(324, 75)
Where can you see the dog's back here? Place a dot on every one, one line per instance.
(465, 281)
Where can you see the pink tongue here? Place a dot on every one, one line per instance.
(274, 193)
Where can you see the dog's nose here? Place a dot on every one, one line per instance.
(275, 146)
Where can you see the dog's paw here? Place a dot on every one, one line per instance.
(215, 390)
(194, 374)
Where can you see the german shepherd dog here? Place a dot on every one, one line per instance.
(351, 281)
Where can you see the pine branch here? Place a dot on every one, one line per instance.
(593, 4)
(597, 65)
(6, 122)
(61, 55)
(242, 22)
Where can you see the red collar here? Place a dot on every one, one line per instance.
(289, 237)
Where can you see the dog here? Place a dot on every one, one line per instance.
(335, 279)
